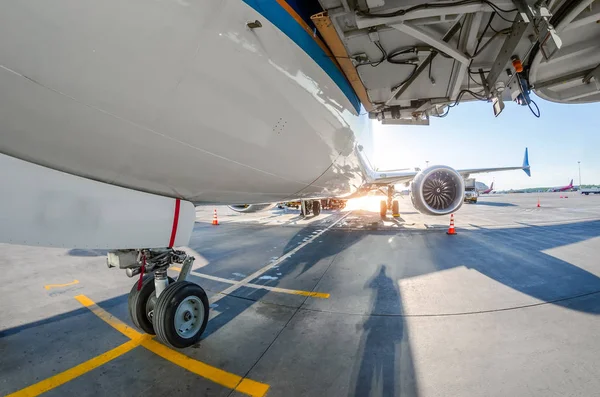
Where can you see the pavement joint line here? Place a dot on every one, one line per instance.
(47, 287)
(310, 294)
(217, 297)
(219, 376)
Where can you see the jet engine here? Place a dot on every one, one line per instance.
(252, 207)
(437, 190)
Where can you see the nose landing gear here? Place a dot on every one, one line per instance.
(390, 204)
(307, 206)
(175, 310)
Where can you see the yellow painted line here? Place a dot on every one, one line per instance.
(311, 294)
(72, 373)
(47, 287)
(321, 295)
(177, 269)
(109, 318)
(224, 378)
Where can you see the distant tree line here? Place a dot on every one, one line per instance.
(544, 189)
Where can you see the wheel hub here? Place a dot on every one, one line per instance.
(188, 317)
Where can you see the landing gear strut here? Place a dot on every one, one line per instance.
(392, 204)
(306, 207)
(176, 311)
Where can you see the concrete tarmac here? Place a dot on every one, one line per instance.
(346, 304)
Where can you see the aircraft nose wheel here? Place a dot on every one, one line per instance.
(181, 314)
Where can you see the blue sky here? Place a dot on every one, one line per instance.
(471, 137)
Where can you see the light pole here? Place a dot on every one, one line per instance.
(579, 166)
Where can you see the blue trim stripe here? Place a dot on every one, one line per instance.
(279, 17)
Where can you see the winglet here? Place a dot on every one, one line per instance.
(526, 166)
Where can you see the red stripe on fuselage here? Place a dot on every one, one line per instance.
(175, 222)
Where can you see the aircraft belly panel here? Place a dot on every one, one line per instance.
(177, 98)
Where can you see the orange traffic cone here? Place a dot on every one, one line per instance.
(215, 220)
(451, 230)
(561, 196)
(538, 203)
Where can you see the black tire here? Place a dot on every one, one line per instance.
(316, 207)
(303, 209)
(137, 303)
(166, 310)
(395, 208)
(383, 208)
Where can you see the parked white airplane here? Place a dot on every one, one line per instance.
(117, 117)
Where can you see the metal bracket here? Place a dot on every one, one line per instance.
(595, 73)
(411, 121)
(186, 267)
(525, 11)
(441, 45)
(550, 41)
(466, 45)
(507, 51)
(364, 22)
(562, 79)
(254, 25)
(429, 103)
(400, 90)
(486, 87)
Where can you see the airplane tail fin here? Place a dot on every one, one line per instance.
(571, 183)
(492, 187)
(526, 166)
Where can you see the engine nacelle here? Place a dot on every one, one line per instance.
(437, 190)
(252, 207)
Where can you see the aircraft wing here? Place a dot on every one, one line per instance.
(393, 177)
(525, 167)
(383, 178)
(376, 177)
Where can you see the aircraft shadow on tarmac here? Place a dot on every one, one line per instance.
(511, 256)
(87, 252)
(515, 258)
(57, 324)
(495, 204)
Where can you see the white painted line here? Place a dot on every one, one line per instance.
(217, 297)
(265, 287)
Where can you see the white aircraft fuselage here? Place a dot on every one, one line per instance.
(179, 98)
(117, 117)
